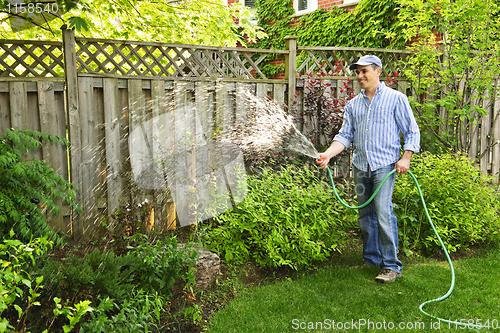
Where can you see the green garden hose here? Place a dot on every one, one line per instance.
(435, 232)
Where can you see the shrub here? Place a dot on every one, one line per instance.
(460, 200)
(288, 218)
(147, 272)
(15, 257)
(24, 180)
(138, 313)
(152, 266)
(159, 265)
(97, 273)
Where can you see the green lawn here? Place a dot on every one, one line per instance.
(347, 298)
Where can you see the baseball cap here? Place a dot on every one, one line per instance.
(367, 60)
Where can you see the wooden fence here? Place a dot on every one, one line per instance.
(94, 91)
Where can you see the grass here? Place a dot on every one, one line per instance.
(310, 302)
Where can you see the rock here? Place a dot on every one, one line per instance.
(207, 267)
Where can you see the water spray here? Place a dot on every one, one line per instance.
(452, 286)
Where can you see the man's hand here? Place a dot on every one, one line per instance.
(334, 149)
(403, 165)
(323, 160)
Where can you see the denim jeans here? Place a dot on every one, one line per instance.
(377, 221)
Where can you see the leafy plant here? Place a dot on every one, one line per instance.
(22, 180)
(97, 273)
(461, 202)
(133, 286)
(371, 24)
(74, 315)
(137, 313)
(288, 218)
(15, 257)
(194, 313)
(160, 263)
(199, 22)
(453, 69)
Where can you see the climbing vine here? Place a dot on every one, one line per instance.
(275, 18)
(372, 24)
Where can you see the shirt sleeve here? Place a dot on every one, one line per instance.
(407, 125)
(346, 133)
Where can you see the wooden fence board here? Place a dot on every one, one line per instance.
(74, 130)
(181, 163)
(51, 151)
(114, 158)
(495, 162)
(61, 120)
(473, 132)
(222, 103)
(18, 105)
(4, 113)
(159, 119)
(484, 137)
(202, 106)
(100, 159)
(261, 91)
(89, 156)
(241, 105)
(34, 122)
(279, 94)
(140, 152)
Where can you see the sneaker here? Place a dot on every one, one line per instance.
(387, 275)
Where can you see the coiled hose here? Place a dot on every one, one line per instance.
(435, 232)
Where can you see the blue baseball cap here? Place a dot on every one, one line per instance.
(366, 60)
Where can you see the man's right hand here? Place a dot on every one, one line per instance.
(334, 149)
(323, 160)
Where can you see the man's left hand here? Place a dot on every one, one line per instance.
(402, 166)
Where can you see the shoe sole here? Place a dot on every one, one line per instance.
(387, 281)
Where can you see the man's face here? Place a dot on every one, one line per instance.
(368, 77)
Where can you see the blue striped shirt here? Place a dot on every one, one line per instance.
(374, 128)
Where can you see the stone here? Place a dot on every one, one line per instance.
(207, 267)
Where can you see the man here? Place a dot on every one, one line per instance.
(372, 122)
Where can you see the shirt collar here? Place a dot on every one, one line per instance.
(378, 90)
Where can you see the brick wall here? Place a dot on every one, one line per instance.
(326, 4)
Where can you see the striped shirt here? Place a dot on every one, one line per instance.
(374, 128)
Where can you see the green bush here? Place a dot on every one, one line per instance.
(159, 265)
(461, 201)
(147, 272)
(138, 313)
(153, 267)
(288, 218)
(97, 273)
(15, 281)
(24, 180)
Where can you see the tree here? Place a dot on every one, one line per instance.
(207, 22)
(454, 69)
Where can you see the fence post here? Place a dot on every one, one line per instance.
(291, 67)
(72, 102)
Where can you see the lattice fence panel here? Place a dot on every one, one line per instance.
(172, 60)
(334, 61)
(31, 59)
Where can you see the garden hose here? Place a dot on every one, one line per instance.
(435, 232)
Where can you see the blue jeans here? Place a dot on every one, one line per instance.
(377, 221)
